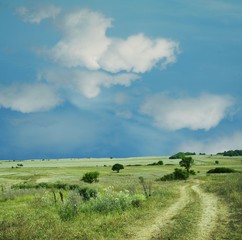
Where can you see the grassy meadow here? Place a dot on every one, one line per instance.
(119, 207)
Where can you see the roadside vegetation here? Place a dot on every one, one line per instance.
(69, 199)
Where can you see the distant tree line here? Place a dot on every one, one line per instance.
(231, 153)
(221, 170)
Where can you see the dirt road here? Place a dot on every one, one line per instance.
(206, 220)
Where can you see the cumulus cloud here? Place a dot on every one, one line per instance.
(28, 98)
(214, 145)
(88, 60)
(202, 112)
(83, 39)
(138, 53)
(87, 83)
(38, 15)
(84, 43)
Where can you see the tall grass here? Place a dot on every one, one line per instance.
(108, 216)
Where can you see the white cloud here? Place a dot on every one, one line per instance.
(28, 98)
(38, 15)
(138, 54)
(86, 83)
(202, 112)
(214, 145)
(84, 43)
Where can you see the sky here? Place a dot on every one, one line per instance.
(104, 78)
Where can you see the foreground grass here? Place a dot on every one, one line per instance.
(229, 189)
(34, 215)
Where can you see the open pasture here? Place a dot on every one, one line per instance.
(70, 170)
(122, 209)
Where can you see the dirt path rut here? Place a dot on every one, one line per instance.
(207, 220)
(165, 217)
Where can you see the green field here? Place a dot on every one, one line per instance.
(121, 209)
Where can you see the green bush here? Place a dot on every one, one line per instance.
(178, 174)
(159, 163)
(192, 172)
(167, 177)
(57, 185)
(137, 200)
(69, 209)
(87, 193)
(90, 177)
(221, 170)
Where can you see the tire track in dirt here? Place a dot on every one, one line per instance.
(206, 223)
(165, 217)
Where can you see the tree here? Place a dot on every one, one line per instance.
(117, 167)
(186, 162)
(90, 177)
(181, 155)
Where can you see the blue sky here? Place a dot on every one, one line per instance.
(119, 78)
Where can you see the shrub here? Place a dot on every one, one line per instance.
(181, 174)
(167, 177)
(159, 163)
(192, 172)
(57, 185)
(87, 193)
(69, 209)
(221, 170)
(74, 187)
(90, 177)
(111, 201)
(117, 167)
(137, 200)
(178, 174)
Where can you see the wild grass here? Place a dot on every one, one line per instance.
(229, 188)
(109, 216)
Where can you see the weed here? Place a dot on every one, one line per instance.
(146, 186)
(69, 209)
